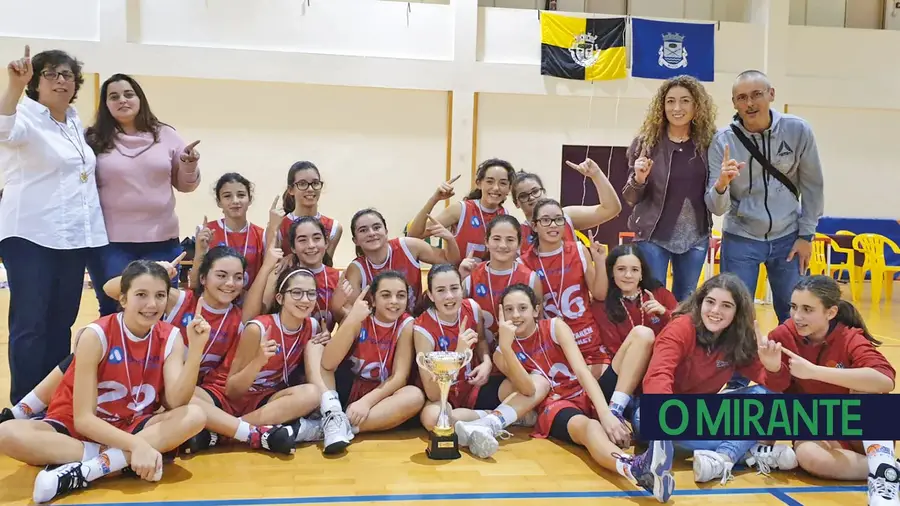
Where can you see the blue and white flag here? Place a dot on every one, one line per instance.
(663, 49)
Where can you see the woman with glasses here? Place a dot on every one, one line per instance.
(301, 198)
(140, 162)
(528, 189)
(50, 217)
(670, 220)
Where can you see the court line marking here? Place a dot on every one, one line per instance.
(780, 493)
(781, 496)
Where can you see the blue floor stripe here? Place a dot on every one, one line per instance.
(780, 492)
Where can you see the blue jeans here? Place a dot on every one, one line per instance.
(736, 450)
(742, 256)
(45, 287)
(109, 261)
(686, 267)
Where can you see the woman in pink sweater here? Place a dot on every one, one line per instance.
(140, 162)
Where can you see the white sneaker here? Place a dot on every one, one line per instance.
(529, 420)
(709, 465)
(883, 486)
(336, 432)
(55, 481)
(480, 436)
(768, 458)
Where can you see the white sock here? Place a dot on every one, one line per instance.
(242, 433)
(619, 402)
(504, 415)
(624, 468)
(879, 452)
(91, 450)
(330, 402)
(481, 413)
(28, 407)
(110, 461)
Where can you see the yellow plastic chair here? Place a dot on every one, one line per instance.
(854, 272)
(583, 238)
(818, 261)
(872, 246)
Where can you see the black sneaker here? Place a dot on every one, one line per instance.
(55, 481)
(278, 439)
(6, 415)
(204, 440)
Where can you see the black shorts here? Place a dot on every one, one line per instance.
(489, 395)
(66, 362)
(559, 429)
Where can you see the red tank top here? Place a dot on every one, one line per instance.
(485, 286)
(130, 375)
(400, 259)
(285, 228)
(274, 375)
(566, 294)
(470, 229)
(528, 238)
(372, 355)
(250, 243)
(541, 354)
(225, 325)
(327, 279)
(444, 336)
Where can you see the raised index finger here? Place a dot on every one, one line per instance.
(453, 179)
(463, 326)
(178, 259)
(727, 154)
(363, 293)
(27, 51)
(190, 147)
(789, 353)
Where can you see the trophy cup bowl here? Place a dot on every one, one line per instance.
(444, 368)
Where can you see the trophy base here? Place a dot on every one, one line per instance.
(443, 447)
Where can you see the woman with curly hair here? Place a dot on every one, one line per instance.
(670, 219)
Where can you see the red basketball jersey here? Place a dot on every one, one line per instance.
(566, 294)
(400, 259)
(130, 380)
(444, 336)
(274, 375)
(470, 229)
(249, 242)
(327, 279)
(541, 354)
(285, 228)
(372, 355)
(485, 285)
(226, 326)
(528, 237)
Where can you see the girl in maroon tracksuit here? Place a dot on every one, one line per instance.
(828, 350)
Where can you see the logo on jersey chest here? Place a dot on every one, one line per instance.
(443, 343)
(116, 356)
(363, 335)
(481, 290)
(722, 364)
(187, 319)
(475, 222)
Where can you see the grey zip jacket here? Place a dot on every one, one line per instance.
(756, 205)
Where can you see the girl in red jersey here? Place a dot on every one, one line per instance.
(301, 198)
(711, 336)
(366, 365)
(106, 415)
(827, 349)
(532, 350)
(528, 189)
(485, 281)
(633, 311)
(234, 194)
(447, 322)
(569, 276)
(376, 253)
(493, 179)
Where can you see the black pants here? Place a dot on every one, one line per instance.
(45, 287)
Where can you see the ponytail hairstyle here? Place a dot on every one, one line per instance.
(426, 303)
(292, 235)
(234, 177)
(287, 200)
(614, 309)
(282, 285)
(481, 172)
(359, 214)
(738, 341)
(503, 218)
(534, 214)
(212, 256)
(828, 292)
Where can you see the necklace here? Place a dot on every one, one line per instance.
(640, 299)
(382, 366)
(562, 275)
(287, 354)
(134, 393)
(78, 147)
(246, 238)
(487, 270)
(212, 337)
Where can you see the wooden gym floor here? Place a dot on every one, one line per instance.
(392, 468)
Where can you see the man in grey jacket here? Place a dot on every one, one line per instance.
(765, 220)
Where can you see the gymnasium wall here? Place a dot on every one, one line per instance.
(362, 87)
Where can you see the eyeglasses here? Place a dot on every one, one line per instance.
(298, 294)
(533, 194)
(755, 96)
(302, 185)
(558, 221)
(52, 75)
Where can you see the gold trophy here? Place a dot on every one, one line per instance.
(444, 367)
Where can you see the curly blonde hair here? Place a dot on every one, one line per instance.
(703, 126)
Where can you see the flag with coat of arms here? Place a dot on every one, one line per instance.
(665, 49)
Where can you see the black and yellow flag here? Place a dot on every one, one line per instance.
(585, 49)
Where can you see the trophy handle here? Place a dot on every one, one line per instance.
(469, 355)
(422, 361)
